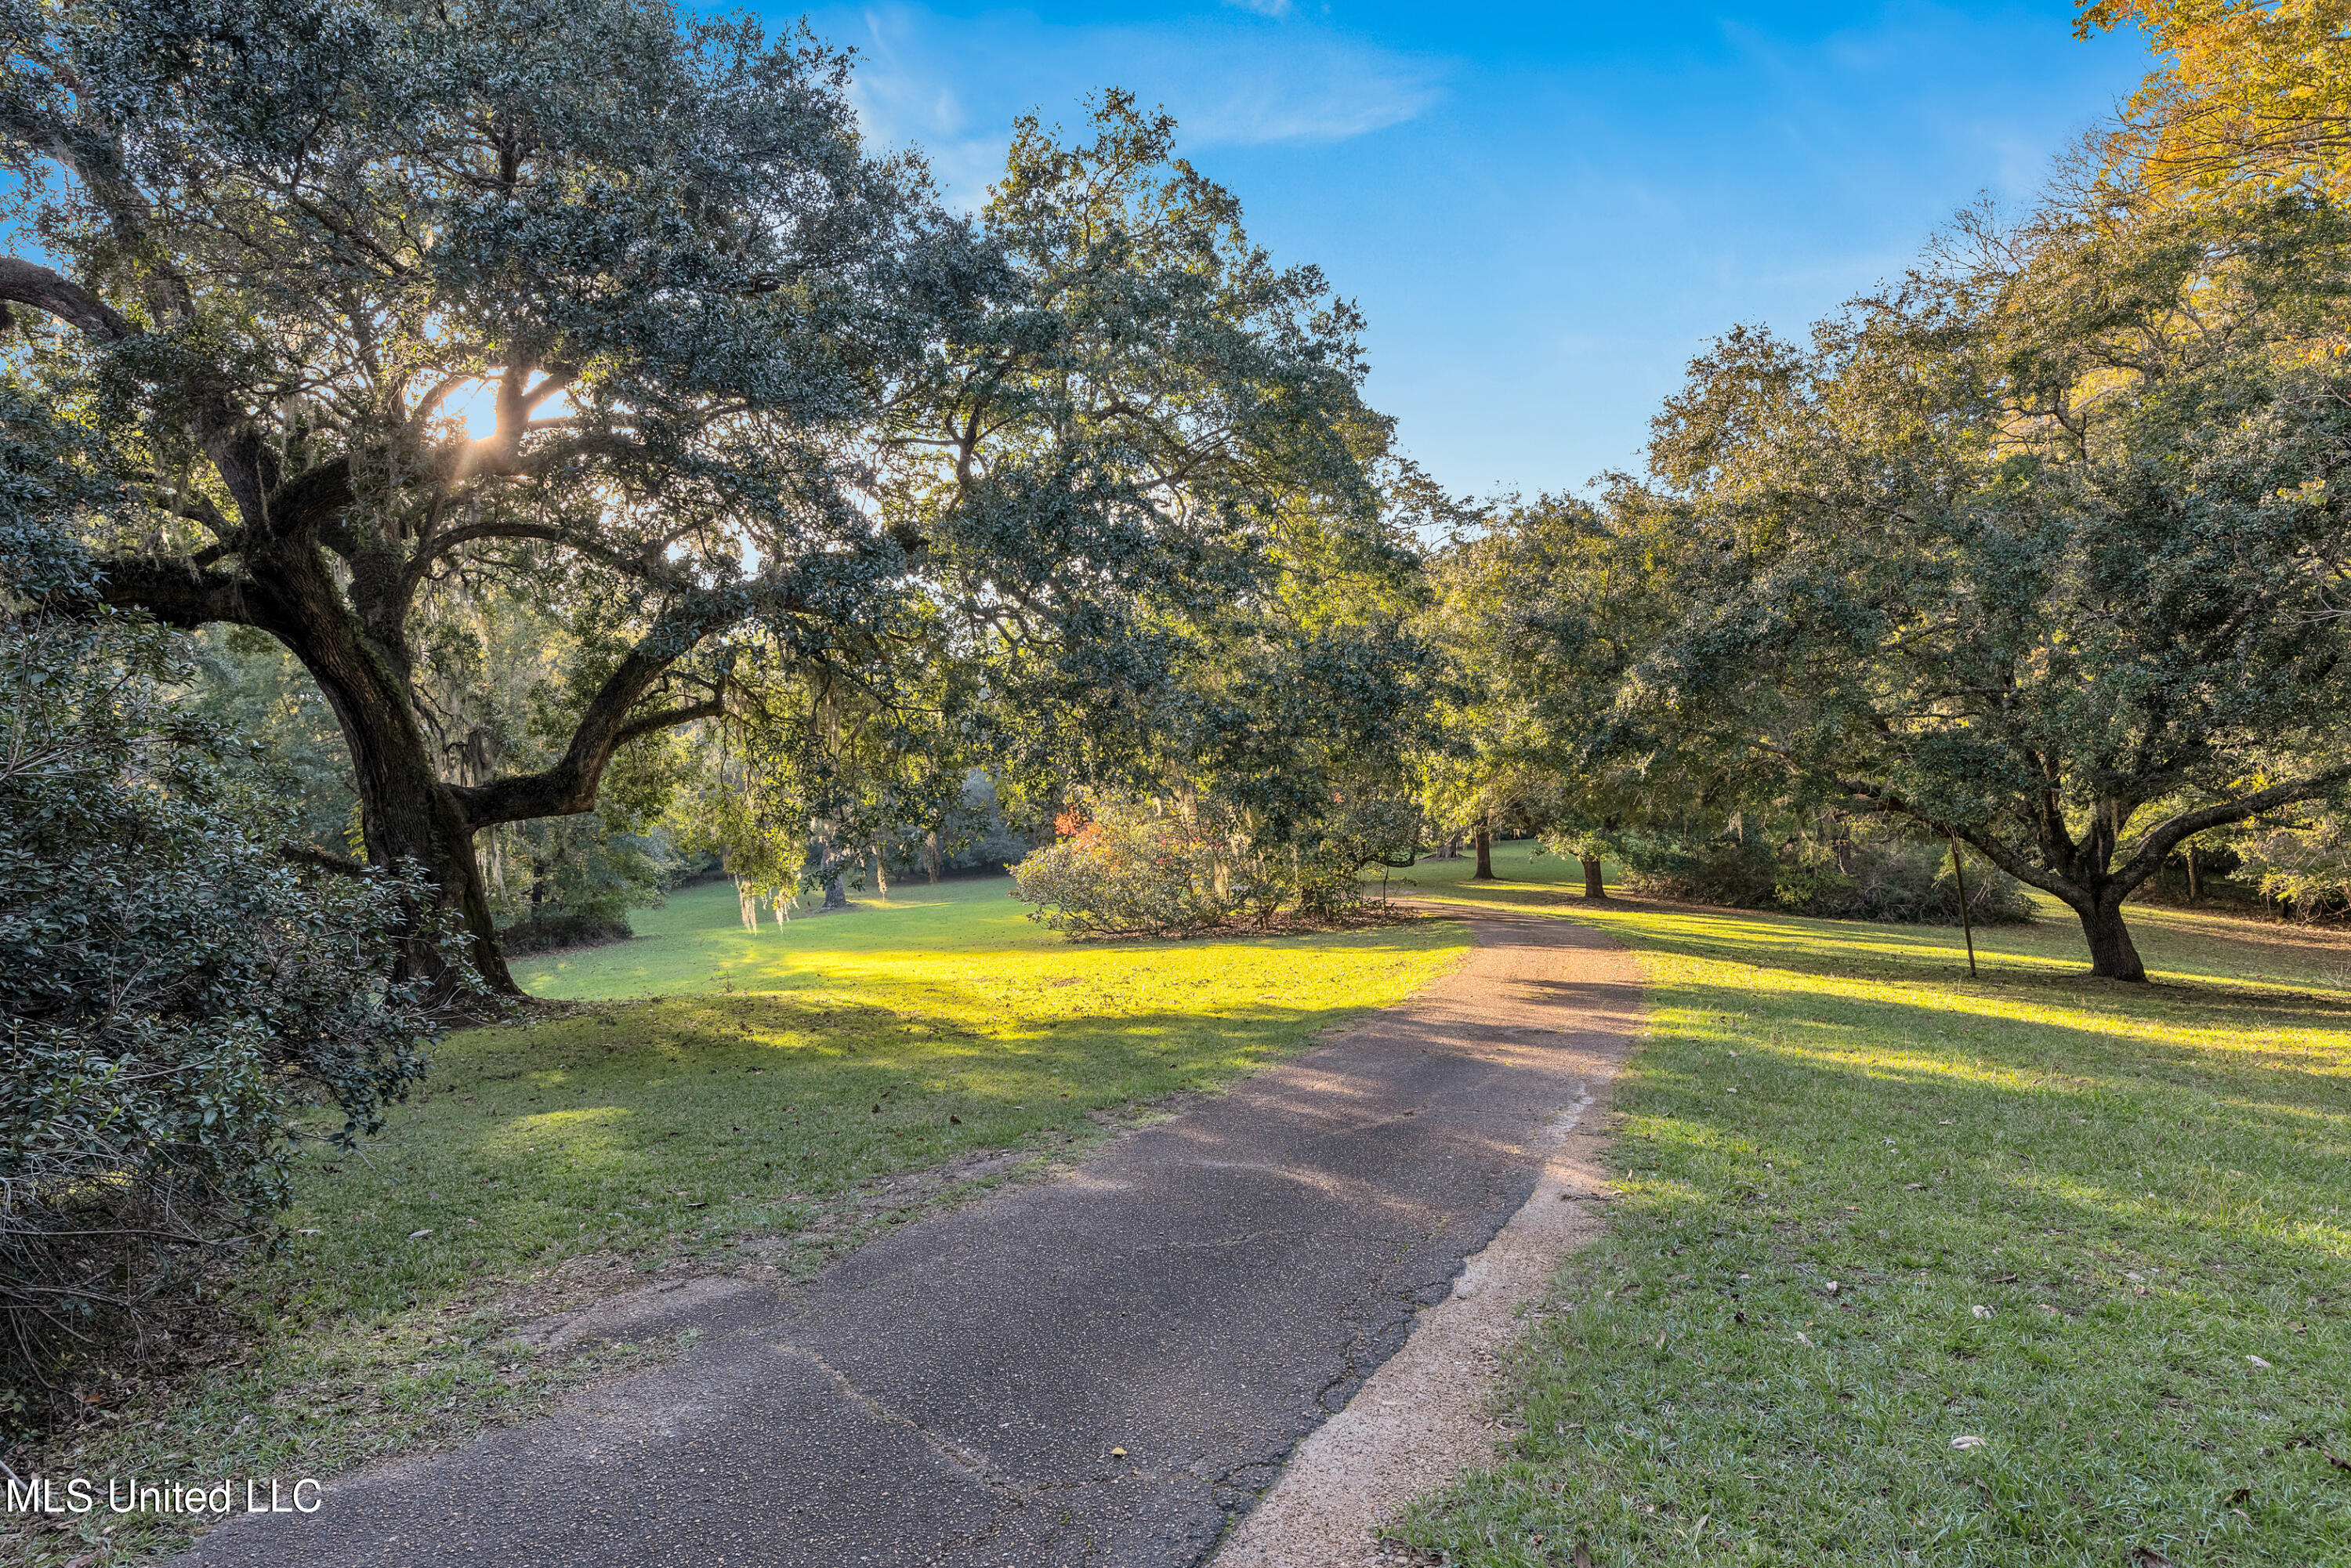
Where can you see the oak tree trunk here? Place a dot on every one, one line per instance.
(407, 813)
(2112, 955)
(831, 865)
(1592, 887)
(1485, 870)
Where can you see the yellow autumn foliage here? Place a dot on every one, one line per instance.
(2250, 93)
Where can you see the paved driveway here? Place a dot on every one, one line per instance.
(1200, 1294)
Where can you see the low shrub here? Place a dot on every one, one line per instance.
(1127, 868)
(543, 932)
(1130, 867)
(1903, 881)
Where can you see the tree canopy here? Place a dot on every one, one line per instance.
(2251, 93)
(753, 395)
(2043, 548)
(791, 495)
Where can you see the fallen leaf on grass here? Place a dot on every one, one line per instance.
(2338, 1461)
(420, 1235)
(2148, 1557)
(1968, 1441)
(1583, 1558)
(2257, 1361)
(2004, 1278)
(1981, 1312)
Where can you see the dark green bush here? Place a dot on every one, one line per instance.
(546, 932)
(173, 992)
(1132, 868)
(1856, 875)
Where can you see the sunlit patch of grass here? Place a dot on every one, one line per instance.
(2143, 1189)
(742, 1114)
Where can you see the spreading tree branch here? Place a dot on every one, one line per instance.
(174, 590)
(2153, 847)
(570, 786)
(29, 283)
(302, 854)
(2166, 836)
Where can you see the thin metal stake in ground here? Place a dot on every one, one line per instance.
(1967, 926)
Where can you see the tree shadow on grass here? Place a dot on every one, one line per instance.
(2182, 950)
(1932, 954)
(634, 1123)
(2063, 1214)
(2068, 1120)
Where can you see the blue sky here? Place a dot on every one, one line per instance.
(1544, 211)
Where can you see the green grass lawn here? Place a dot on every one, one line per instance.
(2101, 1231)
(750, 1115)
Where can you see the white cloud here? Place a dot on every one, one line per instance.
(1320, 91)
(951, 85)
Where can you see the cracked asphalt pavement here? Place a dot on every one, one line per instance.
(1201, 1293)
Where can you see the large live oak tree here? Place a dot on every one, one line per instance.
(279, 245)
(292, 232)
(2045, 549)
(1170, 546)
(1202, 545)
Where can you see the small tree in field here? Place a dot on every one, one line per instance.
(1537, 610)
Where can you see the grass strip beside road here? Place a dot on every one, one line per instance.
(766, 1102)
(1908, 1269)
